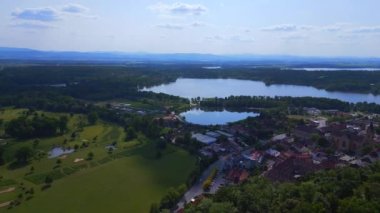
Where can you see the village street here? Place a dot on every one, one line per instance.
(197, 188)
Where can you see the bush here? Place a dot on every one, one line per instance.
(23, 155)
(41, 177)
(90, 156)
(208, 182)
(48, 180)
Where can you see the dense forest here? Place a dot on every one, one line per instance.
(236, 102)
(344, 81)
(105, 82)
(342, 190)
(76, 88)
(35, 126)
(82, 82)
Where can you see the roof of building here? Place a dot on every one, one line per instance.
(224, 133)
(273, 152)
(347, 158)
(253, 155)
(279, 137)
(306, 129)
(213, 134)
(290, 168)
(204, 138)
(237, 175)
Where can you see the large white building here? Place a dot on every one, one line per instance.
(205, 139)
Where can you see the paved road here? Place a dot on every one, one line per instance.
(218, 182)
(197, 188)
(321, 123)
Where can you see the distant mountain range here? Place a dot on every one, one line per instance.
(30, 55)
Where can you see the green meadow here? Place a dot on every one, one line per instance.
(128, 179)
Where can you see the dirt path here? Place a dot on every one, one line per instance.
(5, 204)
(11, 189)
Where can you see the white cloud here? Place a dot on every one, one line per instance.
(242, 39)
(74, 8)
(294, 37)
(234, 38)
(171, 26)
(371, 29)
(181, 26)
(197, 24)
(348, 28)
(179, 9)
(286, 28)
(350, 36)
(37, 18)
(281, 28)
(44, 14)
(332, 28)
(49, 14)
(32, 25)
(215, 38)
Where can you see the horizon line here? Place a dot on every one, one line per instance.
(191, 53)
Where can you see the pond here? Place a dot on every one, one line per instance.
(200, 117)
(209, 88)
(59, 151)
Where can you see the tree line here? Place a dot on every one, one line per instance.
(237, 102)
(341, 190)
(35, 126)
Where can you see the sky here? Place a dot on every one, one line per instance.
(264, 27)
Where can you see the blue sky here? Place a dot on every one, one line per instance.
(291, 27)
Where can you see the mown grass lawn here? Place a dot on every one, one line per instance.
(128, 184)
(4, 197)
(7, 114)
(127, 180)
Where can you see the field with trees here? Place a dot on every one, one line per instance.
(128, 184)
(120, 160)
(107, 168)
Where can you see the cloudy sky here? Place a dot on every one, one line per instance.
(291, 27)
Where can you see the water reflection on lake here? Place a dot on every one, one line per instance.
(209, 88)
(197, 116)
(335, 69)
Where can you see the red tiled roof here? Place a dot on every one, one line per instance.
(285, 170)
(237, 175)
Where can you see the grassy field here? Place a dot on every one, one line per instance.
(128, 180)
(8, 113)
(128, 184)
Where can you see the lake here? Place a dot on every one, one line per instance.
(334, 69)
(212, 68)
(209, 88)
(197, 116)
